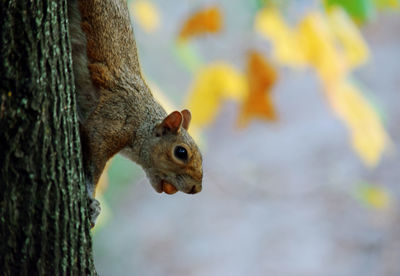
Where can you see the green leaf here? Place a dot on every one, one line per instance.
(359, 10)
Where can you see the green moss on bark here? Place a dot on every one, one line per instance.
(43, 207)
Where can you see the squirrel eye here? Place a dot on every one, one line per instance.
(181, 153)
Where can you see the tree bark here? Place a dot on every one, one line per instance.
(44, 225)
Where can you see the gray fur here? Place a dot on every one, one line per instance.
(117, 110)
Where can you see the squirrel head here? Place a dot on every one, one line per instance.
(171, 159)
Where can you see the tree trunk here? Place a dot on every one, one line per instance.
(44, 226)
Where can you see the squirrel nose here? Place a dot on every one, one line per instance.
(195, 189)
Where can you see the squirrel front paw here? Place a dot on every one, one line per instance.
(94, 210)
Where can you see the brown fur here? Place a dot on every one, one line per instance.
(117, 110)
(109, 35)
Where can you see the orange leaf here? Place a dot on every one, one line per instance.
(204, 21)
(261, 77)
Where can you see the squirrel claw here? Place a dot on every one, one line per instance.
(94, 211)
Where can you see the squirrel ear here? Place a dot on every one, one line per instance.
(171, 123)
(186, 118)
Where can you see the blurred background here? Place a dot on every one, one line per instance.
(295, 104)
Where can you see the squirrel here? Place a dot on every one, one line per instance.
(117, 112)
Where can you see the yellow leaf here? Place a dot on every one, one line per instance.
(319, 46)
(285, 42)
(332, 45)
(146, 14)
(369, 138)
(261, 77)
(204, 21)
(385, 4)
(376, 197)
(213, 84)
(353, 45)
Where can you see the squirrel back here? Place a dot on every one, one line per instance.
(111, 47)
(116, 108)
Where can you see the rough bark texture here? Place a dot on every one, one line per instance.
(44, 227)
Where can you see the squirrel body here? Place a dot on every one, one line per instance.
(116, 109)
